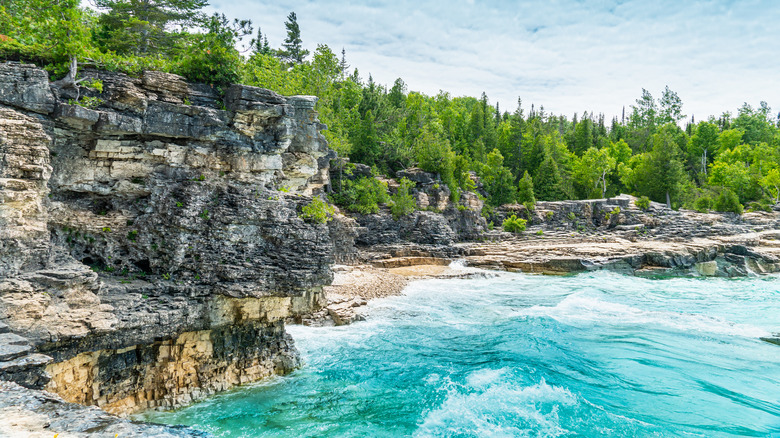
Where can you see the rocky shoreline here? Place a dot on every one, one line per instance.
(152, 247)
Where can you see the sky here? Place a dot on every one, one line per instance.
(568, 55)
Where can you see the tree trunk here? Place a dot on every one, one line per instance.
(668, 200)
(704, 162)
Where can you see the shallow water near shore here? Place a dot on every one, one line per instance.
(514, 355)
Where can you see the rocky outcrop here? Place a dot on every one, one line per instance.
(28, 413)
(147, 255)
(437, 221)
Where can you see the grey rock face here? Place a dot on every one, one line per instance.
(149, 231)
(35, 413)
(27, 87)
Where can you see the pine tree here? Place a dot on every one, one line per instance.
(146, 26)
(525, 190)
(293, 51)
(260, 44)
(343, 66)
(549, 184)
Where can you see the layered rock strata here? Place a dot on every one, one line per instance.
(147, 255)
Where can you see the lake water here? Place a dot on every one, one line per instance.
(514, 355)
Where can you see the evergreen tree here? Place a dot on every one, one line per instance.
(549, 184)
(343, 66)
(146, 26)
(259, 45)
(293, 51)
(525, 189)
(497, 180)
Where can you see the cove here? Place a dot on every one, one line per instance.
(515, 355)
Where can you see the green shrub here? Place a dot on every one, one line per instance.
(93, 84)
(728, 201)
(317, 211)
(369, 193)
(513, 224)
(402, 202)
(572, 216)
(761, 205)
(213, 65)
(702, 204)
(643, 203)
(363, 195)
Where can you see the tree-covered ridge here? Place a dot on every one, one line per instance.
(519, 156)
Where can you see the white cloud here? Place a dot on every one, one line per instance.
(569, 55)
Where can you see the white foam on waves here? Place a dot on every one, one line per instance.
(490, 405)
(580, 307)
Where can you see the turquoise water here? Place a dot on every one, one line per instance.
(596, 354)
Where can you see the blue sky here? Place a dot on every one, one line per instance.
(568, 55)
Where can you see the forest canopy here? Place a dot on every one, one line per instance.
(522, 155)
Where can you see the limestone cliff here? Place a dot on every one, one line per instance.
(147, 255)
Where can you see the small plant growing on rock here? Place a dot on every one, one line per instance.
(572, 216)
(513, 224)
(166, 276)
(530, 207)
(179, 205)
(615, 211)
(550, 214)
(132, 235)
(106, 229)
(402, 203)
(540, 232)
(204, 214)
(317, 211)
(643, 203)
(94, 84)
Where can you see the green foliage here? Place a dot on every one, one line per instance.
(703, 204)
(497, 180)
(525, 190)
(317, 211)
(466, 140)
(132, 235)
(727, 201)
(93, 84)
(213, 59)
(402, 203)
(642, 203)
(369, 193)
(513, 224)
(145, 27)
(549, 184)
(363, 195)
(87, 102)
(293, 51)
